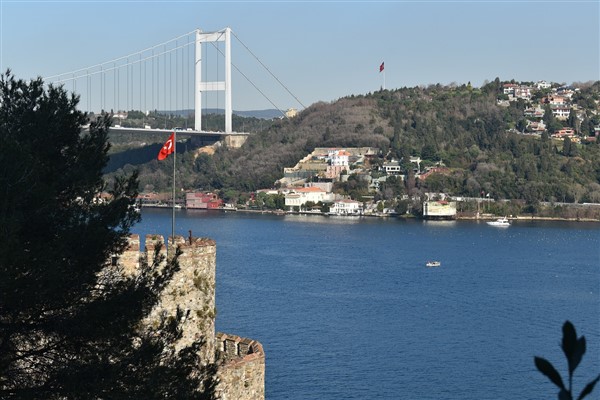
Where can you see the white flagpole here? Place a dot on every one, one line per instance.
(173, 218)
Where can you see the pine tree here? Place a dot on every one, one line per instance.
(69, 321)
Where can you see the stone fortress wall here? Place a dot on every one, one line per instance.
(241, 361)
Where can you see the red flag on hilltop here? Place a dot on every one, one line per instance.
(167, 148)
(381, 67)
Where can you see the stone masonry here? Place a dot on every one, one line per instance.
(241, 361)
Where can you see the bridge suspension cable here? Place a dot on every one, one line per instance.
(268, 70)
(160, 86)
(251, 82)
(52, 77)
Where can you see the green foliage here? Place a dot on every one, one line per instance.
(574, 349)
(69, 319)
(463, 128)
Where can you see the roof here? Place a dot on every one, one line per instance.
(309, 189)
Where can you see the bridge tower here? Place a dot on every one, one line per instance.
(220, 36)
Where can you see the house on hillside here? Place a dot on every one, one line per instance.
(543, 85)
(554, 100)
(392, 167)
(522, 92)
(534, 112)
(509, 88)
(570, 132)
(561, 112)
(536, 127)
(338, 158)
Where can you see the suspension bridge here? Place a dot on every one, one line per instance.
(173, 78)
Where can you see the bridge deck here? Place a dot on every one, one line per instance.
(189, 132)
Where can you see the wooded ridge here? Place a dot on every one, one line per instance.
(488, 138)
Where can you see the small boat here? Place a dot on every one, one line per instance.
(500, 222)
(433, 264)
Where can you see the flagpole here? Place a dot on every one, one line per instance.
(173, 218)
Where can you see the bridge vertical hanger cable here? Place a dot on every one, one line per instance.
(217, 62)
(88, 90)
(176, 79)
(170, 75)
(102, 91)
(206, 57)
(187, 77)
(115, 71)
(152, 102)
(181, 79)
(165, 86)
(157, 85)
(142, 88)
(142, 106)
(118, 89)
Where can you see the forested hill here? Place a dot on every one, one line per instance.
(479, 137)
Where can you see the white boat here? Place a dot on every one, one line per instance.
(500, 222)
(433, 264)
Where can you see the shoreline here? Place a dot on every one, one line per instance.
(457, 218)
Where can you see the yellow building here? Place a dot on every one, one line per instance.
(291, 113)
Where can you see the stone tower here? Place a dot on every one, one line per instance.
(241, 361)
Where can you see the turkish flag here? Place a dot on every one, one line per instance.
(381, 67)
(167, 148)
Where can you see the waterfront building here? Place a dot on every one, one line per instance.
(346, 207)
(439, 209)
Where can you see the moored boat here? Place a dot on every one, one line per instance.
(500, 222)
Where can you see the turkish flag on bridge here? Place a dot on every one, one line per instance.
(167, 148)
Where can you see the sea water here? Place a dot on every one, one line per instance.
(345, 308)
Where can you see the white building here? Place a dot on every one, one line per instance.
(561, 112)
(298, 197)
(392, 168)
(338, 158)
(439, 210)
(346, 207)
(542, 85)
(522, 92)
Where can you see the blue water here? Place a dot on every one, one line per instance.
(346, 309)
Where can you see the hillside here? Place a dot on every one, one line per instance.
(483, 138)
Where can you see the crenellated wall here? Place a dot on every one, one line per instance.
(192, 288)
(241, 368)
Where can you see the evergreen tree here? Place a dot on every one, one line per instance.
(69, 320)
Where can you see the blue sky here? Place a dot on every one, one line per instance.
(320, 50)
